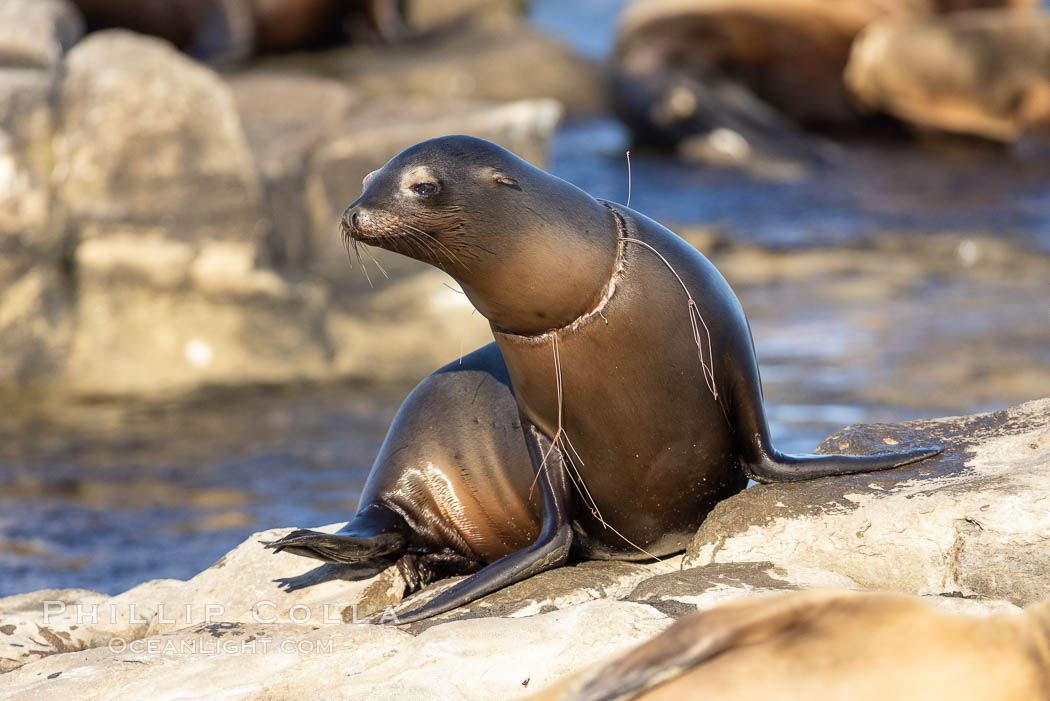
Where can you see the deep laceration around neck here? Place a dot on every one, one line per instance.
(596, 313)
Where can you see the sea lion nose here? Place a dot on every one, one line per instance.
(349, 220)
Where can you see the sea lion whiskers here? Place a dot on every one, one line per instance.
(437, 243)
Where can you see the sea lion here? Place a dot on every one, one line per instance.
(985, 73)
(228, 31)
(449, 490)
(683, 68)
(629, 356)
(834, 646)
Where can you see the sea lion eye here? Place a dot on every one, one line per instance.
(425, 189)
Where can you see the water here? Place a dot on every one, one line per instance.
(106, 495)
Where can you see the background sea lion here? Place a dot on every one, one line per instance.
(686, 67)
(984, 72)
(225, 31)
(834, 646)
(629, 356)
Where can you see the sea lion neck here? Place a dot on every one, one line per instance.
(554, 271)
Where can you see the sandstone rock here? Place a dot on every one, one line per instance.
(36, 327)
(423, 321)
(149, 138)
(506, 658)
(231, 660)
(557, 589)
(485, 61)
(679, 593)
(134, 338)
(253, 585)
(51, 622)
(985, 73)
(478, 659)
(971, 522)
(285, 118)
(29, 234)
(35, 33)
(174, 283)
(35, 295)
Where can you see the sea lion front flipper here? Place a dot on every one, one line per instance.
(374, 532)
(551, 548)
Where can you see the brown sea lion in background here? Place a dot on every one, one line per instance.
(224, 31)
(686, 67)
(629, 357)
(985, 73)
(832, 646)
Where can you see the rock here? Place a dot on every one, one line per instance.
(422, 318)
(482, 61)
(36, 318)
(967, 530)
(159, 189)
(700, 588)
(36, 327)
(36, 33)
(285, 118)
(478, 659)
(506, 658)
(985, 73)
(29, 234)
(153, 317)
(970, 522)
(56, 621)
(253, 585)
(557, 589)
(232, 660)
(148, 138)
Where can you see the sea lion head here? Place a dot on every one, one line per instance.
(531, 251)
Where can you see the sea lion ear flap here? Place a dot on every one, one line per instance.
(501, 179)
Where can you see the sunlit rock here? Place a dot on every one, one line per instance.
(972, 521)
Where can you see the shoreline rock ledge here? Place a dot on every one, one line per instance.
(968, 531)
(972, 522)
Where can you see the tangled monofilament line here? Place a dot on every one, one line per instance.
(564, 444)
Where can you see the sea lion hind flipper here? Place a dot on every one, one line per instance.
(550, 550)
(374, 532)
(696, 639)
(764, 463)
(774, 466)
